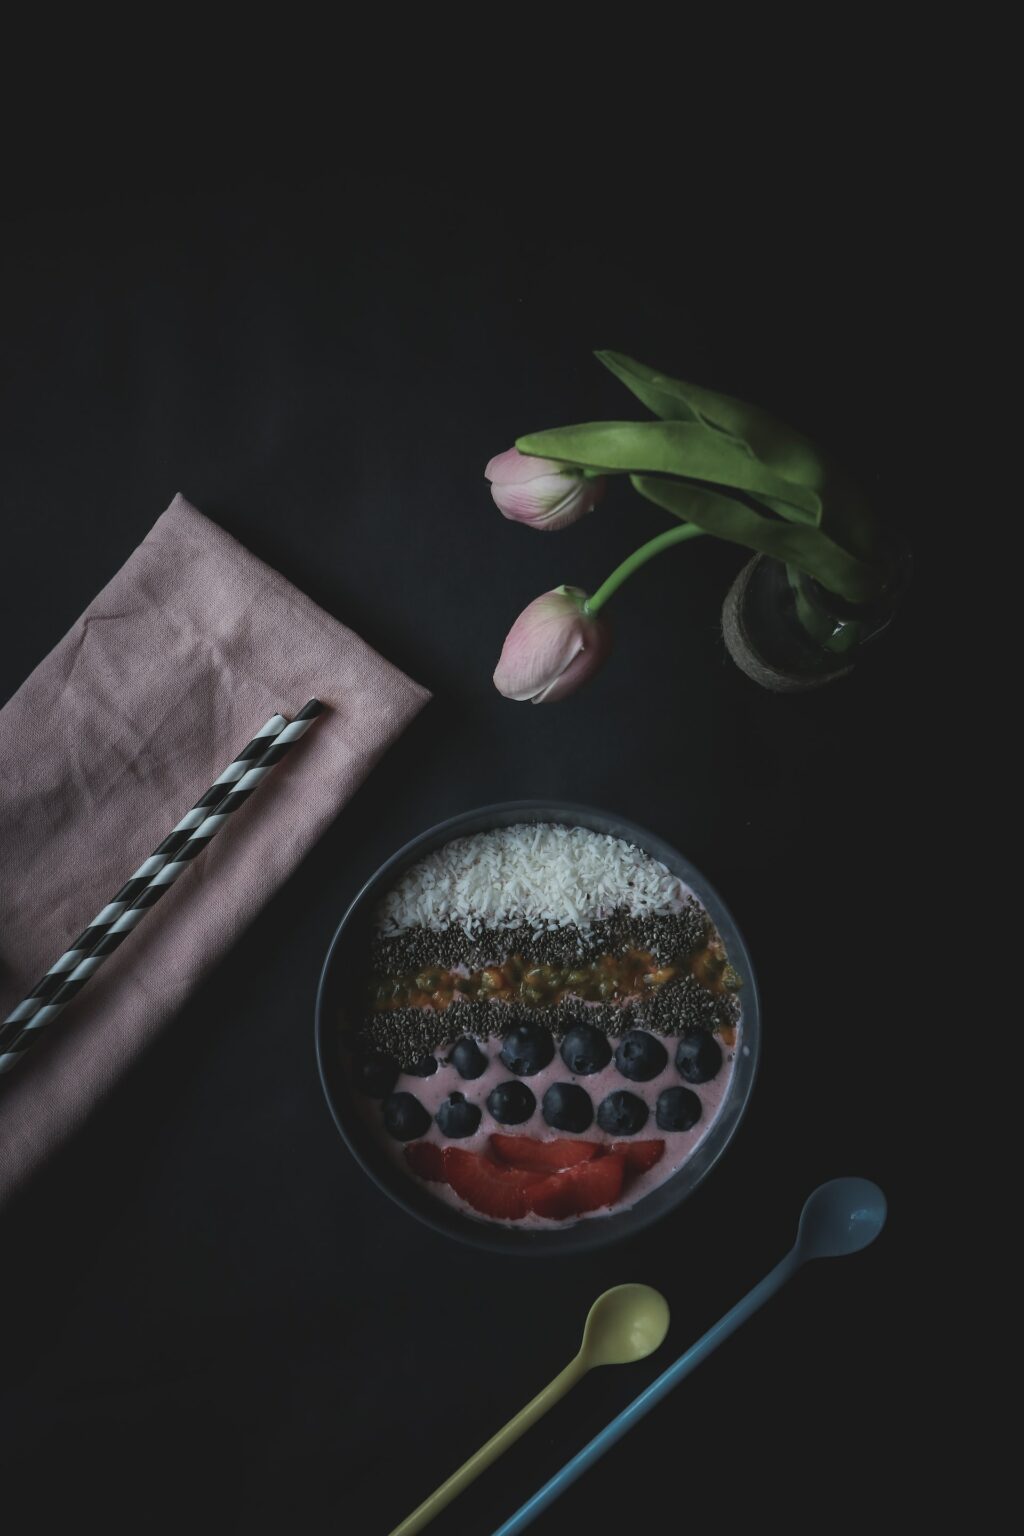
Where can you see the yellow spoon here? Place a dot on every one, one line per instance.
(627, 1323)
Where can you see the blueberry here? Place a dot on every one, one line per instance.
(678, 1109)
(405, 1116)
(527, 1049)
(467, 1058)
(640, 1057)
(511, 1103)
(698, 1056)
(585, 1049)
(425, 1067)
(374, 1073)
(456, 1117)
(622, 1114)
(567, 1107)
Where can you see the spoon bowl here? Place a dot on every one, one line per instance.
(839, 1218)
(625, 1324)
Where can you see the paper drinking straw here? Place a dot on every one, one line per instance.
(89, 937)
(195, 842)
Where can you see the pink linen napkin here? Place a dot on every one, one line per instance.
(178, 661)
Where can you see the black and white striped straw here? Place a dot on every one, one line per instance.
(90, 936)
(191, 842)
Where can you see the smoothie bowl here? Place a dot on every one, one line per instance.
(537, 1028)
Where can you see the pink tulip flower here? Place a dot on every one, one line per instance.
(552, 648)
(540, 492)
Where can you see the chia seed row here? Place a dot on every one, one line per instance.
(682, 1005)
(667, 937)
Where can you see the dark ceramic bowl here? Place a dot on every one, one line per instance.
(347, 956)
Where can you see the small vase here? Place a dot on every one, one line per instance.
(788, 633)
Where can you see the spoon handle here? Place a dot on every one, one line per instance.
(481, 1459)
(652, 1395)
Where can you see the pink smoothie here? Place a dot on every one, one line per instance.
(679, 1145)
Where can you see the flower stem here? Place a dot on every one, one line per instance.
(639, 557)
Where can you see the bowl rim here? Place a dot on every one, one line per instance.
(581, 1236)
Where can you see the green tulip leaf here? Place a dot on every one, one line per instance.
(809, 549)
(660, 394)
(779, 447)
(682, 448)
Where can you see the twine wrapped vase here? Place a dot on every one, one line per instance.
(788, 633)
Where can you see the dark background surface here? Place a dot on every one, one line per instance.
(205, 1302)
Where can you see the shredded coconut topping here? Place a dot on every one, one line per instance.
(544, 875)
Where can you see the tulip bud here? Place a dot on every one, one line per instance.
(552, 648)
(540, 492)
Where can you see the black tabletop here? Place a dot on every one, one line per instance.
(205, 1302)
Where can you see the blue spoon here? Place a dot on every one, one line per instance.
(840, 1217)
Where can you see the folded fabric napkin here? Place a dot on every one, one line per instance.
(177, 662)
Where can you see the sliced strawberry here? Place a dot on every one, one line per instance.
(639, 1155)
(504, 1174)
(583, 1188)
(530, 1152)
(556, 1197)
(426, 1159)
(487, 1186)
